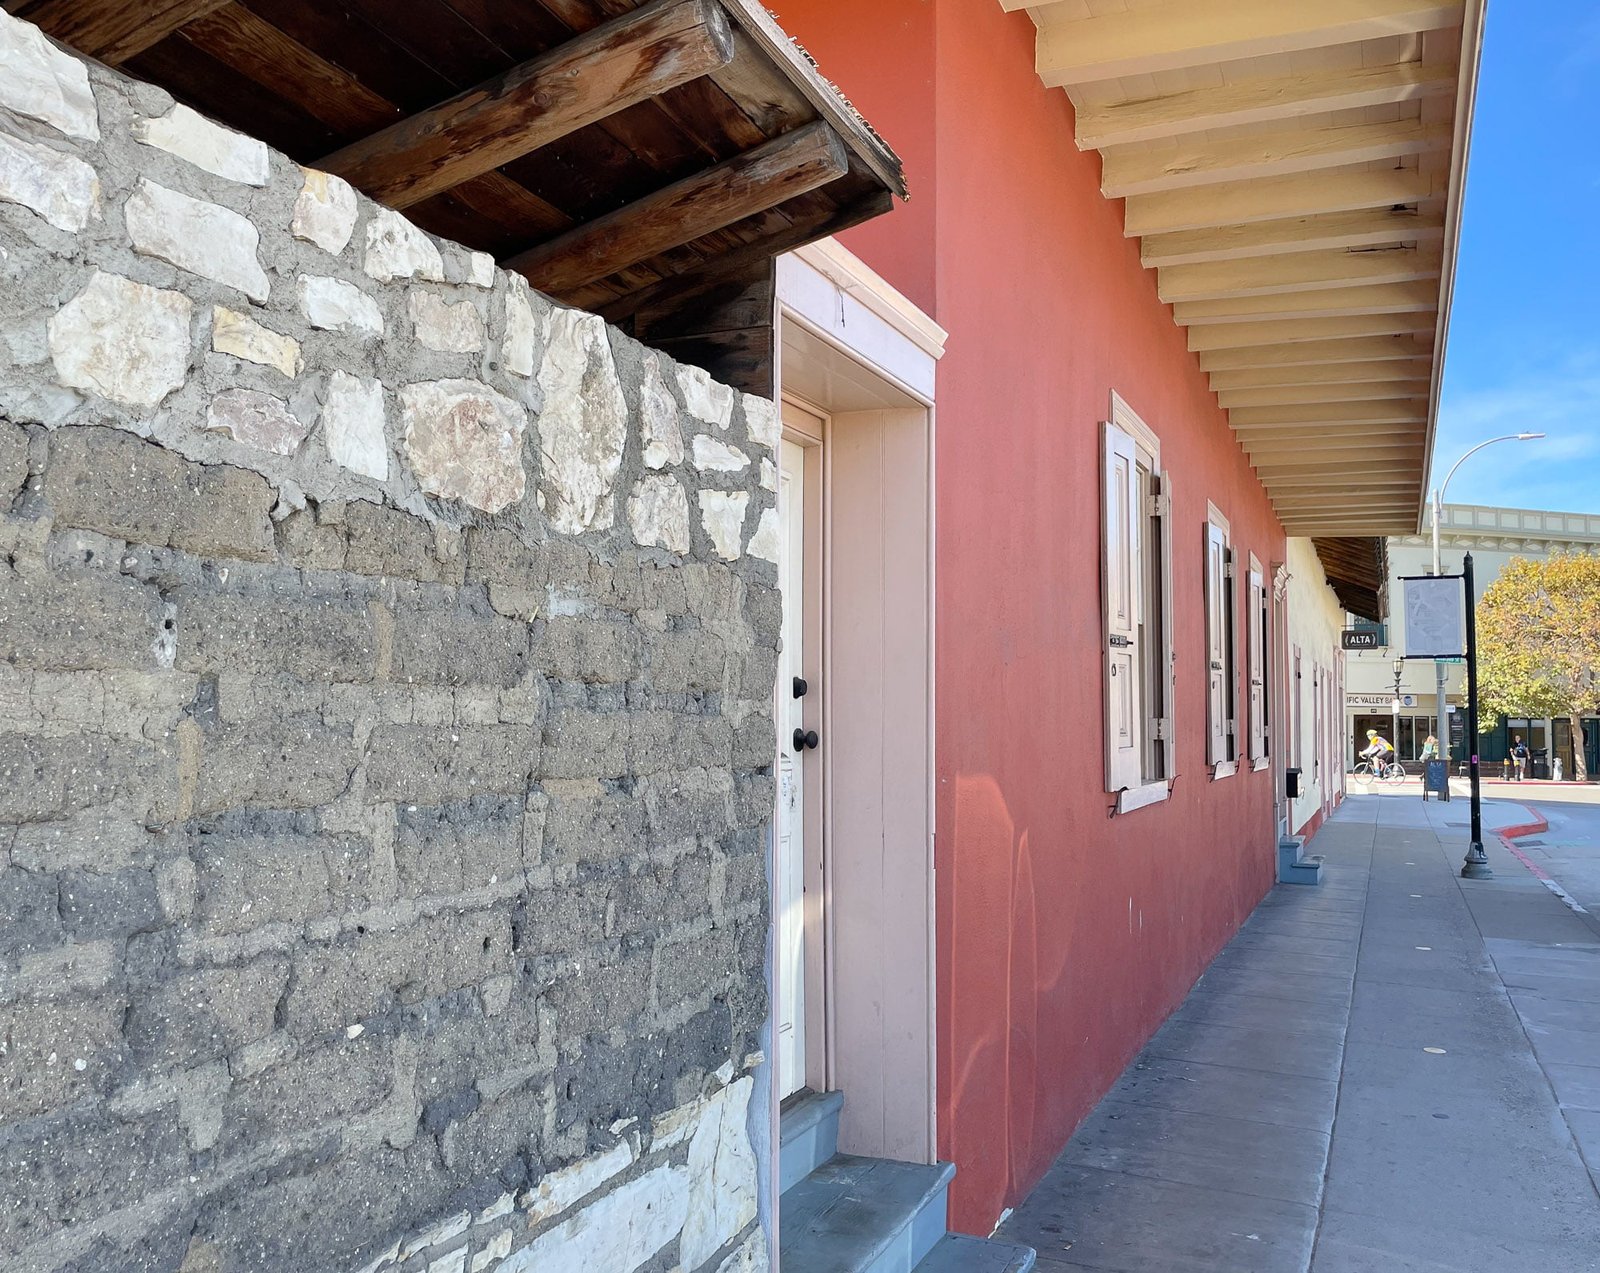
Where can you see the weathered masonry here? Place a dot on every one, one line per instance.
(386, 659)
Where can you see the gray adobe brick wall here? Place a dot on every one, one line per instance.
(385, 735)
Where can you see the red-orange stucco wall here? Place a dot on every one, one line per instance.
(1064, 936)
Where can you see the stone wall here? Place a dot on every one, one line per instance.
(385, 736)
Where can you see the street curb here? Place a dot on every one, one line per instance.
(1537, 827)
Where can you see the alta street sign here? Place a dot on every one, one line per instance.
(1361, 639)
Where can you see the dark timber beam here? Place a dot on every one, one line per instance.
(740, 187)
(605, 70)
(115, 30)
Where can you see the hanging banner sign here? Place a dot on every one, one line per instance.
(1436, 622)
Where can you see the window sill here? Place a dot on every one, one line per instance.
(1131, 798)
(1261, 764)
(1225, 769)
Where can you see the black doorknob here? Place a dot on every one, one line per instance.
(804, 738)
(800, 687)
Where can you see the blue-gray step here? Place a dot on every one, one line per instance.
(957, 1253)
(1293, 868)
(863, 1215)
(808, 1135)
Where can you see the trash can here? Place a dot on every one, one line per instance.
(1541, 763)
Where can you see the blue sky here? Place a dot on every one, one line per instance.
(1525, 341)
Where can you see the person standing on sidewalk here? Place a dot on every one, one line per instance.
(1519, 757)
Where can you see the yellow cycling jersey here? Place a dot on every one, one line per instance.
(1381, 742)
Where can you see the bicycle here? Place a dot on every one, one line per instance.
(1389, 771)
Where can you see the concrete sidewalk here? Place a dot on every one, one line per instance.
(1396, 1071)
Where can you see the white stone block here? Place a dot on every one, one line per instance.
(455, 1262)
(722, 514)
(751, 1257)
(256, 419)
(762, 421)
(663, 439)
(765, 543)
(325, 211)
(617, 1234)
(192, 137)
(480, 269)
(447, 328)
(722, 1177)
(525, 330)
(706, 399)
(658, 512)
(352, 425)
(61, 188)
(464, 441)
(450, 1227)
(769, 476)
(711, 455)
(241, 336)
(397, 249)
(498, 1248)
(40, 81)
(122, 340)
(203, 238)
(583, 426)
(558, 1191)
(334, 305)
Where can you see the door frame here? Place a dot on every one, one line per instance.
(857, 354)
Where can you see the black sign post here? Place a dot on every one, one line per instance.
(1476, 865)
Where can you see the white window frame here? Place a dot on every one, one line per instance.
(1257, 660)
(1221, 654)
(1149, 659)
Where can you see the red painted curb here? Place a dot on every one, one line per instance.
(1536, 827)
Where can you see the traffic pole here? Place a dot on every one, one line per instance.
(1476, 865)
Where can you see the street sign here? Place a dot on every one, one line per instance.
(1435, 617)
(1361, 639)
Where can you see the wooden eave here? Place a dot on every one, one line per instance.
(620, 154)
(1294, 171)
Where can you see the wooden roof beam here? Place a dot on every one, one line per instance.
(1353, 391)
(1308, 353)
(1329, 302)
(1369, 227)
(113, 33)
(740, 187)
(1269, 198)
(1189, 33)
(1240, 335)
(607, 69)
(1130, 170)
(1332, 414)
(1258, 101)
(1333, 373)
(1295, 272)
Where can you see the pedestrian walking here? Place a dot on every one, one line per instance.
(1519, 757)
(1430, 748)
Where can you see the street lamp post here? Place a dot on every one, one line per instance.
(1441, 715)
(1394, 708)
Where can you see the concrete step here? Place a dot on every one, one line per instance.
(957, 1253)
(863, 1215)
(808, 1135)
(1294, 865)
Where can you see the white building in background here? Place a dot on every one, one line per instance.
(1314, 687)
(1493, 536)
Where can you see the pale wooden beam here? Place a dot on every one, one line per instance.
(115, 32)
(1333, 447)
(740, 187)
(1239, 335)
(1290, 487)
(1323, 374)
(1258, 101)
(1332, 415)
(1329, 302)
(1355, 391)
(1398, 462)
(1368, 227)
(1294, 272)
(1300, 194)
(1142, 170)
(607, 69)
(1190, 33)
(1310, 352)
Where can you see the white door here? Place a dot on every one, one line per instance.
(791, 837)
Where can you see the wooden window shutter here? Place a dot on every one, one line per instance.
(1255, 618)
(1161, 631)
(1217, 749)
(1119, 590)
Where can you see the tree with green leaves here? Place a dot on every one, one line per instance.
(1539, 643)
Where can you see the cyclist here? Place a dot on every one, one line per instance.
(1380, 751)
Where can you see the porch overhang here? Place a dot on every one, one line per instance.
(1294, 170)
(620, 154)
